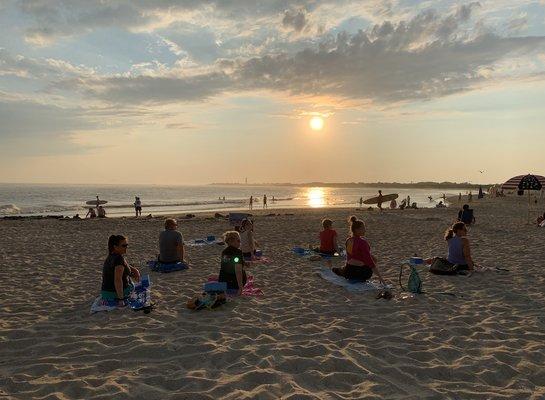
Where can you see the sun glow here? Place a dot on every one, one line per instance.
(316, 123)
(316, 197)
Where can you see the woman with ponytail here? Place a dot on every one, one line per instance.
(117, 273)
(360, 263)
(459, 252)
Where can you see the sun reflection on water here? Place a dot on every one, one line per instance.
(316, 197)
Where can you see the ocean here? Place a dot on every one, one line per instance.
(68, 200)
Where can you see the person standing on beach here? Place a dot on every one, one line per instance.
(251, 202)
(171, 243)
(361, 202)
(264, 201)
(460, 197)
(470, 197)
(408, 201)
(379, 202)
(137, 206)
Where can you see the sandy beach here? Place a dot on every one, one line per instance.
(304, 339)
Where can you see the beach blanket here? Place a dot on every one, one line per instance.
(203, 242)
(162, 267)
(139, 299)
(249, 289)
(313, 254)
(351, 286)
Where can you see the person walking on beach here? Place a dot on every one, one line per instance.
(137, 206)
(171, 243)
(251, 202)
(460, 197)
(264, 201)
(379, 202)
(470, 197)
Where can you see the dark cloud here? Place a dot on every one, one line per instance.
(295, 20)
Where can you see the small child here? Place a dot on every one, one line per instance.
(232, 263)
(328, 238)
(248, 244)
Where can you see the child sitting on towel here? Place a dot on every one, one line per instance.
(232, 263)
(328, 238)
(360, 263)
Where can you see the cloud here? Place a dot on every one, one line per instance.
(295, 20)
(424, 57)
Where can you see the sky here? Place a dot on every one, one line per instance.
(201, 91)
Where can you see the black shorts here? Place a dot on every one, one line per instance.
(354, 272)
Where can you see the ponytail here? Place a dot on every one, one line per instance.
(449, 233)
(114, 240)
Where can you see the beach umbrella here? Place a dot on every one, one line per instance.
(520, 181)
(525, 182)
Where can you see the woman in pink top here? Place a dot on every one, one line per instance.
(360, 263)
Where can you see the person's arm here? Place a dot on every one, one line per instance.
(467, 254)
(377, 271)
(238, 273)
(180, 249)
(135, 274)
(118, 283)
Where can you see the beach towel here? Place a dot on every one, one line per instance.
(351, 286)
(313, 254)
(249, 289)
(203, 242)
(139, 299)
(162, 267)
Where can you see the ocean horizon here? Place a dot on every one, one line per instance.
(70, 199)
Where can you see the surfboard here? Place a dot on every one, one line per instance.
(385, 198)
(94, 202)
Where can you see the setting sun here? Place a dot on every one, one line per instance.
(316, 123)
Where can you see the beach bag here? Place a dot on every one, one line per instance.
(414, 284)
(441, 266)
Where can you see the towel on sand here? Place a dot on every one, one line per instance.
(351, 286)
(248, 290)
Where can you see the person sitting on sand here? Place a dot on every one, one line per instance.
(459, 252)
(248, 244)
(101, 212)
(117, 273)
(403, 204)
(466, 216)
(232, 263)
(360, 263)
(91, 213)
(440, 205)
(328, 238)
(171, 243)
(393, 204)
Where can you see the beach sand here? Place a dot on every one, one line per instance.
(304, 339)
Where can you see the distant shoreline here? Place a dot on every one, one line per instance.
(415, 185)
